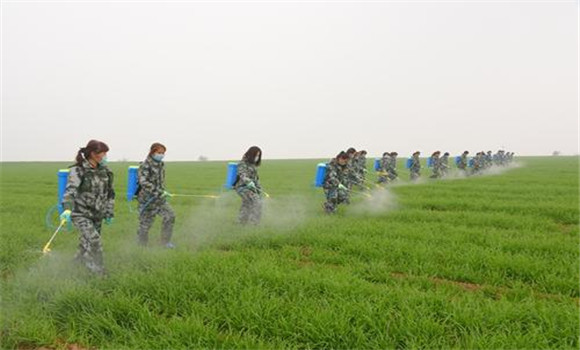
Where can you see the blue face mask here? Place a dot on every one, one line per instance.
(158, 157)
(104, 161)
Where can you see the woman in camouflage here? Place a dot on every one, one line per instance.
(152, 197)
(88, 199)
(247, 185)
(336, 183)
(435, 165)
(415, 168)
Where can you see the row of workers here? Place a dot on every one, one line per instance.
(89, 198)
(347, 171)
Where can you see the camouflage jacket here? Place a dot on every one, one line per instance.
(392, 164)
(362, 164)
(477, 162)
(151, 179)
(416, 165)
(385, 164)
(462, 162)
(435, 162)
(488, 159)
(336, 174)
(444, 162)
(89, 192)
(247, 173)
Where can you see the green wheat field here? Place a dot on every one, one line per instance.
(484, 262)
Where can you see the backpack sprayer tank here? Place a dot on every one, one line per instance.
(231, 175)
(132, 179)
(320, 174)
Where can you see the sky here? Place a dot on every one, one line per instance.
(298, 79)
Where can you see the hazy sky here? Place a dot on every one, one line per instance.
(298, 79)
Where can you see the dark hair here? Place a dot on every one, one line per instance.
(386, 153)
(351, 150)
(250, 155)
(92, 146)
(394, 153)
(363, 152)
(155, 146)
(342, 155)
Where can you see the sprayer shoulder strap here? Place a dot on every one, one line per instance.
(82, 175)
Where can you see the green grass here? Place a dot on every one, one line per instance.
(482, 262)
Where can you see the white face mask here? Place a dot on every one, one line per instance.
(256, 159)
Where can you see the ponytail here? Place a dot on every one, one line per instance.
(81, 155)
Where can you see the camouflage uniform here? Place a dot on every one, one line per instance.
(90, 196)
(500, 158)
(477, 163)
(392, 169)
(415, 168)
(496, 159)
(362, 169)
(384, 165)
(251, 210)
(444, 165)
(488, 160)
(152, 202)
(353, 173)
(336, 174)
(436, 166)
(462, 162)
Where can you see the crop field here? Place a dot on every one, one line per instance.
(483, 262)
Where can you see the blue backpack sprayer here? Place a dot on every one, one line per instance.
(55, 211)
(377, 164)
(320, 174)
(231, 175)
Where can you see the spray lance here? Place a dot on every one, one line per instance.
(353, 191)
(46, 248)
(166, 194)
(193, 195)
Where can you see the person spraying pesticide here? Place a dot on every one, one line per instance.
(336, 183)
(248, 187)
(89, 199)
(152, 197)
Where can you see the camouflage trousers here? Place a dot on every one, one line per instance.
(436, 173)
(147, 217)
(334, 197)
(251, 210)
(90, 251)
(415, 174)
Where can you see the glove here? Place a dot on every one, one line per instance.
(342, 187)
(65, 215)
(109, 221)
(166, 194)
